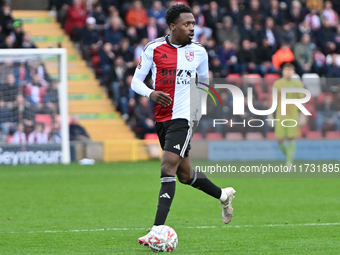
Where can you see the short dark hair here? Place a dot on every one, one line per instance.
(288, 65)
(174, 11)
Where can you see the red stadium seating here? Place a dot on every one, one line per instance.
(46, 119)
(234, 136)
(254, 136)
(332, 135)
(269, 80)
(322, 96)
(234, 78)
(214, 136)
(151, 136)
(314, 135)
(270, 136)
(197, 137)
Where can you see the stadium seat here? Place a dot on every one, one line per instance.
(296, 76)
(312, 83)
(270, 136)
(321, 97)
(254, 136)
(329, 59)
(269, 80)
(332, 135)
(46, 119)
(197, 137)
(314, 135)
(214, 136)
(234, 136)
(234, 78)
(255, 79)
(151, 136)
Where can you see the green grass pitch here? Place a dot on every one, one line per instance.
(104, 208)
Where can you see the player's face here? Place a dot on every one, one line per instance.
(183, 29)
(288, 73)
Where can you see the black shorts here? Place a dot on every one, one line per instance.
(175, 135)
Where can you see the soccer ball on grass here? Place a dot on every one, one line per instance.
(162, 239)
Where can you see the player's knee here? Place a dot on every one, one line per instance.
(168, 169)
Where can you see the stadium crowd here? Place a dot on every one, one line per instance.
(247, 42)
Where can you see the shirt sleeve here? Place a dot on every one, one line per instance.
(203, 68)
(142, 70)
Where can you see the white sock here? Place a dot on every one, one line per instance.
(223, 197)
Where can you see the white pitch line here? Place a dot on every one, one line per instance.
(196, 227)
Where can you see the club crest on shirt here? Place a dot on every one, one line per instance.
(189, 55)
(140, 63)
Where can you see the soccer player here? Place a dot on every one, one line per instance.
(173, 60)
(287, 133)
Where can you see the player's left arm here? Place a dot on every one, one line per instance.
(301, 95)
(203, 71)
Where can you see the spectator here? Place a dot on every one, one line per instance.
(270, 33)
(78, 132)
(34, 91)
(333, 70)
(303, 53)
(126, 52)
(6, 20)
(108, 5)
(75, 20)
(54, 135)
(235, 12)
(158, 12)
(19, 136)
(90, 40)
(288, 34)
(319, 62)
(228, 33)
(139, 49)
(247, 32)
(213, 17)
(106, 56)
(314, 4)
(24, 111)
(3, 137)
(152, 30)
(6, 118)
(27, 42)
(275, 13)
(136, 15)
(255, 11)
(200, 27)
(10, 89)
(326, 115)
(325, 37)
(99, 15)
(18, 33)
(227, 56)
(144, 116)
(304, 28)
(38, 136)
(116, 78)
(337, 38)
(330, 14)
(52, 97)
(113, 34)
(216, 68)
(294, 15)
(131, 34)
(8, 43)
(283, 55)
(313, 19)
(127, 97)
(264, 56)
(246, 58)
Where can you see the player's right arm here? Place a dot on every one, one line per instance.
(138, 85)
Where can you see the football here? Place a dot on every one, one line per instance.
(162, 239)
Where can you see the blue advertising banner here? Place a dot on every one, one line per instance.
(269, 150)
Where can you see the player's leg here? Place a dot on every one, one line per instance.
(280, 134)
(291, 148)
(187, 175)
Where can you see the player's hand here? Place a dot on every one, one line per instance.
(161, 98)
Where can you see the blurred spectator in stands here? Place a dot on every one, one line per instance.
(264, 54)
(213, 17)
(275, 12)
(90, 38)
(270, 33)
(18, 33)
(200, 27)
(54, 136)
(6, 20)
(246, 58)
(152, 30)
(319, 62)
(24, 111)
(330, 14)
(99, 15)
(139, 49)
(113, 34)
(126, 52)
(211, 47)
(158, 12)
(304, 28)
(19, 137)
(27, 42)
(34, 91)
(3, 137)
(37, 136)
(326, 115)
(283, 55)
(78, 132)
(235, 12)
(75, 20)
(106, 59)
(52, 97)
(109, 4)
(10, 89)
(288, 34)
(6, 118)
(325, 37)
(227, 56)
(5, 69)
(144, 116)
(136, 15)
(227, 32)
(62, 6)
(316, 4)
(337, 38)
(333, 70)
(313, 19)
(216, 68)
(8, 43)
(131, 33)
(127, 97)
(304, 54)
(255, 11)
(294, 15)
(116, 78)
(247, 32)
